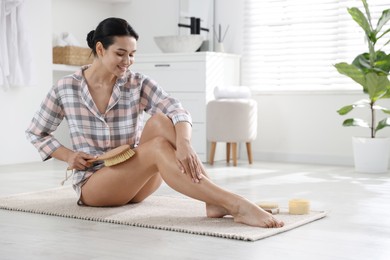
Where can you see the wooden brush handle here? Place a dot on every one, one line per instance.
(112, 153)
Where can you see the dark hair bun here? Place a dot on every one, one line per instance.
(90, 39)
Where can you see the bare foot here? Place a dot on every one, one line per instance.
(214, 211)
(252, 215)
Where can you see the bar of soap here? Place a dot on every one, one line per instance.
(270, 207)
(298, 207)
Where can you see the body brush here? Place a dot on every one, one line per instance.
(113, 157)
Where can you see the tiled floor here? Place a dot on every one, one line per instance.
(357, 227)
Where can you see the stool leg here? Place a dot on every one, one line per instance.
(212, 152)
(249, 152)
(227, 152)
(234, 148)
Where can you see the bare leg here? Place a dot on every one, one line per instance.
(161, 125)
(117, 185)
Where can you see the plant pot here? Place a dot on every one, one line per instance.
(371, 155)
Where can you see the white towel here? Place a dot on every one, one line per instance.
(65, 39)
(231, 92)
(16, 67)
(70, 39)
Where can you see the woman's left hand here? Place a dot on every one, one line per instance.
(188, 161)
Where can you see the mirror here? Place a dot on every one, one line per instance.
(197, 17)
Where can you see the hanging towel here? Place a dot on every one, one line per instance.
(221, 92)
(15, 54)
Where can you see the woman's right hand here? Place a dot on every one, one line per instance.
(79, 160)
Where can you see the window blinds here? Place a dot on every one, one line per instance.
(292, 45)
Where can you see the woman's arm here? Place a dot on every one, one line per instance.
(39, 133)
(44, 123)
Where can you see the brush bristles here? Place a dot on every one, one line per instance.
(120, 158)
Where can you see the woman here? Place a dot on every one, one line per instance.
(103, 104)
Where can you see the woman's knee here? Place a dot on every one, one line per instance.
(159, 121)
(159, 125)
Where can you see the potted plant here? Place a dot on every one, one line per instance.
(371, 71)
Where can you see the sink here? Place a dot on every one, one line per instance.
(179, 43)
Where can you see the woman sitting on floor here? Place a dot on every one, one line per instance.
(103, 104)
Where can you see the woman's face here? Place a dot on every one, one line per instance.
(119, 55)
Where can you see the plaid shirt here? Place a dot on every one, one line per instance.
(95, 133)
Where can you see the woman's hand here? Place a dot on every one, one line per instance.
(75, 160)
(79, 160)
(188, 161)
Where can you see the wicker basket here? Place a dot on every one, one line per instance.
(72, 55)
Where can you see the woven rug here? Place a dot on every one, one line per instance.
(157, 212)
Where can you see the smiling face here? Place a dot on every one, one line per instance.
(119, 55)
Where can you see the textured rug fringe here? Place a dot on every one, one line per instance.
(111, 221)
(221, 228)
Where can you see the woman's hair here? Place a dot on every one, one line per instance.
(107, 30)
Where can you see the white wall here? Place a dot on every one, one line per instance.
(78, 17)
(293, 127)
(150, 18)
(304, 127)
(230, 13)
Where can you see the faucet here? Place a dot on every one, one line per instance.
(194, 25)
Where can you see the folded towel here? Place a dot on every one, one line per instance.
(65, 39)
(232, 92)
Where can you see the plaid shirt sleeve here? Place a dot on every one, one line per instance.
(45, 121)
(154, 99)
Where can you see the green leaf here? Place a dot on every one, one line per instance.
(351, 71)
(362, 62)
(382, 124)
(367, 11)
(385, 17)
(359, 17)
(355, 122)
(387, 95)
(381, 63)
(383, 109)
(346, 109)
(377, 85)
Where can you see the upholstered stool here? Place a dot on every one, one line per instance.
(231, 121)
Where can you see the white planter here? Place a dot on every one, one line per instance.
(371, 154)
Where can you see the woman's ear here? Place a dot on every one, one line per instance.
(99, 49)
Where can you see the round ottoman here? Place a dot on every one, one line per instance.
(231, 121)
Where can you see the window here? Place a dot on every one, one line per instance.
(292, 45)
